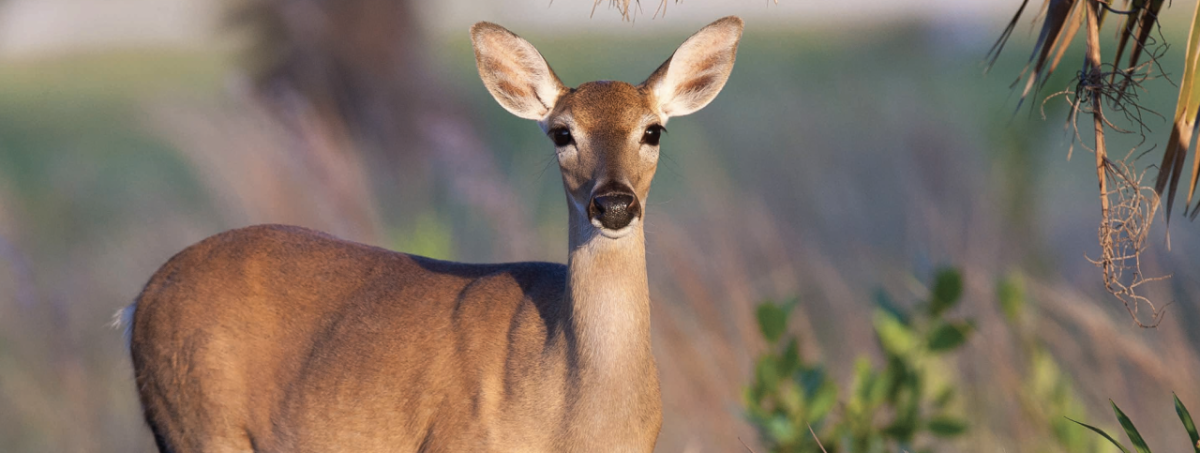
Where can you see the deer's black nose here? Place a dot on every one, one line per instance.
(614, 210)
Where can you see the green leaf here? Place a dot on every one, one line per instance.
(948, 336)
(947, 289)
(946, 426)
(944, 397)
(863, 376)
(901, 430)
(811, 380)
(754, 395)
(791, 399)
(869, 387)
(772, 321)
(1186, 418)
(1130, 430)
(750, 396)
(790, 361)
(1102, 433)
(885, 302)
(862, 367)
(767, 372)
(1011, 292)
(781, 429)
(908, 411)
(821, 403)
(895, 378)
(894, 336)
(877, 391)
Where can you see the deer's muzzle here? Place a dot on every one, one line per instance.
(614, 210)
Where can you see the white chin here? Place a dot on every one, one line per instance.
(615, 234)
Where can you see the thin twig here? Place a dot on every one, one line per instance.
(814, 434)
(744, 445)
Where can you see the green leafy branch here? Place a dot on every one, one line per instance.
(795, 405)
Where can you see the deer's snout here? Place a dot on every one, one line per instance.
(615, 209)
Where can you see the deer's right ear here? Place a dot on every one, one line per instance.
(514, 72)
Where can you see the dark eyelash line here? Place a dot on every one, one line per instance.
(561, 136)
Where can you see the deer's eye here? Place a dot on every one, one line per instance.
(561, 136)
(653, 134)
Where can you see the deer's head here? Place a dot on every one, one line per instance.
(606, 133)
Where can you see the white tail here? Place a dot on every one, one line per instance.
(276, 338)
(123, 320)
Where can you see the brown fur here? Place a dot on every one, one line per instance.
(490, 337)
(278, 338)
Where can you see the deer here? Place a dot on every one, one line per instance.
(277, 338)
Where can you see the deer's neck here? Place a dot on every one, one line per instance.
(615, 381)
(610, 302)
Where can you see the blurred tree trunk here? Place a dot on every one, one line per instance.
(352, 62)
(361, 68)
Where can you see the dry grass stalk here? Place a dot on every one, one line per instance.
(627, 13)
(623, 6)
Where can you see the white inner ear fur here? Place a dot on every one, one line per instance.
(697, 71)
(515, 72)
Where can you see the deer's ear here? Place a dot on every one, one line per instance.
(514, 72)
(693, 76)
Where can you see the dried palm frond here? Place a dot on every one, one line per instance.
(1061, 20)
(1127, 206)
(1058, 18)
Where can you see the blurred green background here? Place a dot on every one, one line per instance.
(853, 149)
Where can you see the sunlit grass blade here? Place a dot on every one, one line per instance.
(1130, 430)
(1184, 124)
(1102, 433)
(1186, 418)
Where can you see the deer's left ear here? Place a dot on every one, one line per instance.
(514, 72)
(693, 76)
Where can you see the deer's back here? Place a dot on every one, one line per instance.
(282, 338)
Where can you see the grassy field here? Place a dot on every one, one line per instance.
(834, 163)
